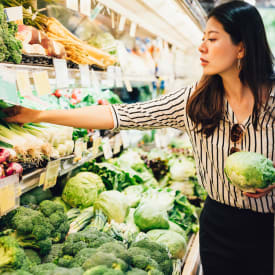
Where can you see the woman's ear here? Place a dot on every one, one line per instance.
(241, 50)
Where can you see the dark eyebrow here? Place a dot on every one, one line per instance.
(211, 32)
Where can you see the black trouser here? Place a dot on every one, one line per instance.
(235, 241)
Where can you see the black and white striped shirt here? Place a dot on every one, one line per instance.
(210, 153)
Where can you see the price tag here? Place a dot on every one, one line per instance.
(95, 82)
(122, 22)
(125, 139)
(118, 77)
(95, 12)
(107, 149)
(14, 14)
(72, 4)
(41, 82)
(8, 90)
(42, 178)
(118, 143)
(85, 75)
(96, 143)
(113, 19)
(110, 76)
(158, 139)
(85, 7)
(23, 83)
(8, 194)
(51, 174)
(133, 29)
(79, 148)
(128, 85)
(61, 73)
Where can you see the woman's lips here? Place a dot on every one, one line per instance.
(203, 62)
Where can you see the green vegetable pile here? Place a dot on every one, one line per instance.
(10, 47)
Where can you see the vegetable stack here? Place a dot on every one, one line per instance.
(10, 47)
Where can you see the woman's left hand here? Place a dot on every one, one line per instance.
(260, 192)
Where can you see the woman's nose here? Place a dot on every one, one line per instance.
(203, 48)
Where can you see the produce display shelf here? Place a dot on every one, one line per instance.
(75, 73)
(67, 164)
(192, 256)
(30, 180)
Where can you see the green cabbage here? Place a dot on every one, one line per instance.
(149, 216)
(182, 168)
(113, 204)
(176, 228)
(175, 242)
(248, 171)
(133, 195)
(82, 190)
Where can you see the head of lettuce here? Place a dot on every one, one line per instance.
(249, 171)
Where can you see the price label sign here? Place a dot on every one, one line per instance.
(72, 4)
(158, 139)
(125, 139)
(107, 149)
(85, 7)
(8, 90)
(42, 178)
(9, 194)
(61, 73)
(122, 22)
(85, 75)
(133, 28)
(51, 174)
(14, 14)
(96, 143)
(41, 82)
(23, 83)
(79, 148)
(127, 84)
(118, 143)
(118, 77)
(95, 82)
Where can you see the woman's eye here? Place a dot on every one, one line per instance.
(212, 39)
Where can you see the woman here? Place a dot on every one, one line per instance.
(232, 108)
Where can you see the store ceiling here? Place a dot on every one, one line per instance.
(209, 4)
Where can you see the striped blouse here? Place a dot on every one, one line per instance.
(210, 153)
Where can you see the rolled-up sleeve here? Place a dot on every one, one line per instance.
(166, 111)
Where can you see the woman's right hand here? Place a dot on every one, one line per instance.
(21, 115)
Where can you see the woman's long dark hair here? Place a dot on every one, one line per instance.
(243, 23)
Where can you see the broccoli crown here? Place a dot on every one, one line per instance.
(83, 255)
(32, 256)
(157, 252)
(97, 270)
(117, 249)
(31, 223)
(108, 259)
(16, 272)
(35, 196)
(52, 269)
(136, 271)
(55, 253)
(66, 261)
(11, 255)
(103, 270)
(77, 241)
(114, 272)
(58, 219)
(71, 248)
(48, 208)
